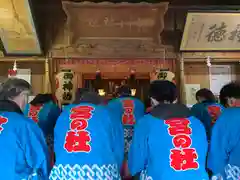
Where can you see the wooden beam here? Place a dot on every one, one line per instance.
(182, 80)
(213, 60)
(228, 56)
(88, 68)
(22, 59)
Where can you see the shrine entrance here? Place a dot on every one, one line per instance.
(110, 86)
(114, 72)
(114, 39)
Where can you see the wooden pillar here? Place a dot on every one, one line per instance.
(47, 88)
(80, 80)
(50, 73)
(182, 80)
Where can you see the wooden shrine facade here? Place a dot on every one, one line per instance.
(113, 68)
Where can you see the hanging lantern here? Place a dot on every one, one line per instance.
(64, 86)
(98, 75)
(13, 72)
(166, 75)
(208, 61)
(132, 75)
(132, 78)
(98, 80)
(162, 74)
(101, 92)
(133, 92)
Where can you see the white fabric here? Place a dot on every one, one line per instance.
(154, 102)
(231, 173)
(144, 176)
(85, 172)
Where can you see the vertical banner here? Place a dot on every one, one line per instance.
(65, 86)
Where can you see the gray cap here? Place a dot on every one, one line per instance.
(12, 87)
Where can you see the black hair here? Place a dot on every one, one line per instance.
(206, 94)
(163, 90)
(42, 99)
(147, 102)
(12, 87)
(91, 97)
(124, 90)
(230, 90)
(79, 93)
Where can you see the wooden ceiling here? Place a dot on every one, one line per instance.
(175, 2)
(49, 16)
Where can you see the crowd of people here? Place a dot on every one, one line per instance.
(95, 139)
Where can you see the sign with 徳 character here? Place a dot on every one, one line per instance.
(65, 86)
(211, 31)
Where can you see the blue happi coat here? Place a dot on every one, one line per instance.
(45, 116)
(85, 144)
(224, 156)
(118, 134)
(168, 144)
(24, 153)
(207, 112)
(131, 110)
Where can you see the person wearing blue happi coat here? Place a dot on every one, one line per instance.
(24, 153)
(92, 154)
(207, 110)
(78, 95)
(168, 143)
(224, 156)
(121, 106)
(117, 106)
(44, 111)
(118, 135)
(117, 129)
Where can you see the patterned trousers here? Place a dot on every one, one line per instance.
(85, 172)
(128, 134)
(50, 143)
(230, 173)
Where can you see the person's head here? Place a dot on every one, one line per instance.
(16, 90)
(230, 94)
(162, 92)
(124, 90)
(79, 93)
(205, 95)
(91, 97)
(42, 99)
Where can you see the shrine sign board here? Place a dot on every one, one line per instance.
(211, 32)
(112, 30)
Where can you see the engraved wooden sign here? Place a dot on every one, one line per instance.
(109, 30)
(211, 32)
(109, 20)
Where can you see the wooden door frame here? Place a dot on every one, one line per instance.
(111, 75)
